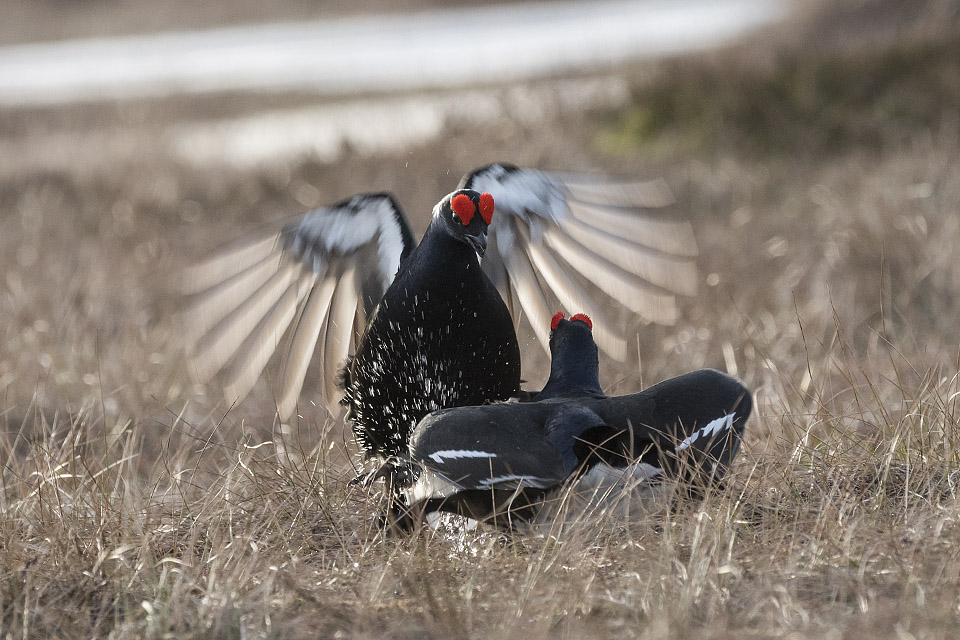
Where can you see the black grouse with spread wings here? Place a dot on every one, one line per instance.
(425, 322)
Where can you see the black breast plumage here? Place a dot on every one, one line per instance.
(440, 337)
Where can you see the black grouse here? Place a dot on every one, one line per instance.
(441, 336)
(425, 322)
(509, 457)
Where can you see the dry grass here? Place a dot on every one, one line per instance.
(132, 505)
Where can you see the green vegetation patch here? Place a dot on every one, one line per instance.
(801, 104)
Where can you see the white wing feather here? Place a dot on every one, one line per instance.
(597, 228)
(305, 274)
(303, 344)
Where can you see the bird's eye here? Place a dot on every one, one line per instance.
(584, 318)
(486, 207)
(557, 317)
(463, 207)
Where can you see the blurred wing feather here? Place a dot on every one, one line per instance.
(496, 270)
(219, 345)
(256, 350)
(573, 296)
(611, 193)
(214, 304)
(530, 295)
(230, 261)
(668, 272)
(302, 345)
(308, 274)
(672, 237)
(600, 228)
(338, 340)
(636, 295)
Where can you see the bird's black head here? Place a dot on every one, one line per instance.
(465, 214)
(575, 360)
(571, 341)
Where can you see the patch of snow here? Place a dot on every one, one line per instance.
(440, 48)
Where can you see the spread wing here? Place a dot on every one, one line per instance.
(548, 226)
(316, 276)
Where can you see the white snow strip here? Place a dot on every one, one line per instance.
(454, 454)
(712, 428)
(439, 48)
(386, 124)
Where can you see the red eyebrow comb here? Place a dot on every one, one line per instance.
(463, 206)
(557, 317)
(584, 318)
(486, 207)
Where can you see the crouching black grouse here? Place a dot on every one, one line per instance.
(437, 334)
(506, 459)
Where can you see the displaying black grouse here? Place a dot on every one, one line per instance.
(436, 332)
(482, 461)
(441, 336)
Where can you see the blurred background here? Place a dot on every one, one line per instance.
(813, 145)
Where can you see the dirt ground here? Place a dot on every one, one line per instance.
(820, 166)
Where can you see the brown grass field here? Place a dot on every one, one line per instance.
(820, 165)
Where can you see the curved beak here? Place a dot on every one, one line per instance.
(478, 242)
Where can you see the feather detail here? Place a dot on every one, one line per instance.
(668, 272)
(634, 293)
(218, 346)
(611, 193)
(529, 293)
(573, 296)
(263, 340)
(336, 347)
(209, 308)
(669, 236)
(303, 344)
(228, 263)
